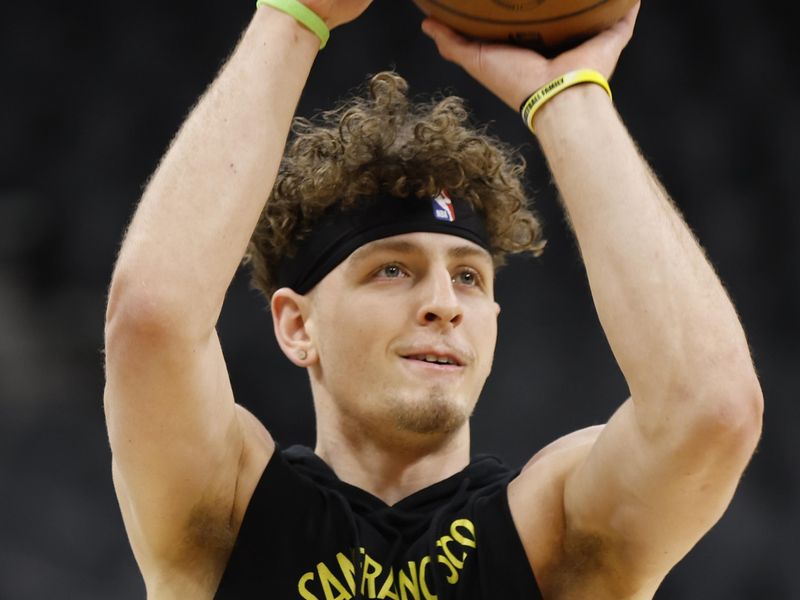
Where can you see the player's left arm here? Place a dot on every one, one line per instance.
(665, 467)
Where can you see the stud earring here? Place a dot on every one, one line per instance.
(302, 354)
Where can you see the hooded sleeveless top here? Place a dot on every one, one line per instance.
(308, 535)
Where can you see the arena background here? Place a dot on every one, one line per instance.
(92, 92)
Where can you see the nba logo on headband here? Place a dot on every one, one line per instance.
(443, 207)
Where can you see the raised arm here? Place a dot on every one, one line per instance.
(178, 440)
(666, 465)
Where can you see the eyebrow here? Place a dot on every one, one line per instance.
(405, 247)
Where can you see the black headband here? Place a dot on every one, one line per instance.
(340, 231)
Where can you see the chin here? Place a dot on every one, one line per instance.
(438, 413)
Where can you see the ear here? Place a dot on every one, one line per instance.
(290, 312)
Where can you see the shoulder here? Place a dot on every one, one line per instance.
(259, 448)
(556, 451)
(202, 549)
(536, 497)
(545, 472)
(540, 483)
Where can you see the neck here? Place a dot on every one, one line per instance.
(393, 469)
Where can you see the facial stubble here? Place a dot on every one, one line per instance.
(435, 413)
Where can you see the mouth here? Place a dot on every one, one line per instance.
(436, 359)
(440, 359)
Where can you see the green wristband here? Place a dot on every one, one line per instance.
(303, 14)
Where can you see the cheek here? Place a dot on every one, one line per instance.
(350, 336)
(485, 337)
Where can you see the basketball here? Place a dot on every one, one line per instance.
(540, 24)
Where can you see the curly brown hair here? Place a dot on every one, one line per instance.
(382, 142)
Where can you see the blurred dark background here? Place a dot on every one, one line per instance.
(90, 95)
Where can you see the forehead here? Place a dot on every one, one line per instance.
(422, 244)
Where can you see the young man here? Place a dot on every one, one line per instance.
(377, 249)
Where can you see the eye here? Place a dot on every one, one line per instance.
(391, 271)
(467, 277)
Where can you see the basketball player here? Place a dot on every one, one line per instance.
(377, 249)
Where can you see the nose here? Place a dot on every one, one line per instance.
(440, 304)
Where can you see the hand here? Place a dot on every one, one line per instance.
(337, 12)
(513, 73)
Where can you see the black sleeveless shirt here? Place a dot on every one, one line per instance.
(308, 535)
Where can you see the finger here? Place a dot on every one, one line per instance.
(451, 45)
(633, 13)
(606, 46)
(624, 27)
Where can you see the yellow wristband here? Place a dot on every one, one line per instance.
(303, 14)
(536, 100)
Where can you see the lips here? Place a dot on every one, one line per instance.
(436, 356)
(435, 359)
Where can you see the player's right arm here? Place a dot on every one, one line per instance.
(178, 440)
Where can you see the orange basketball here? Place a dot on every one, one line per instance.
(541, 24)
